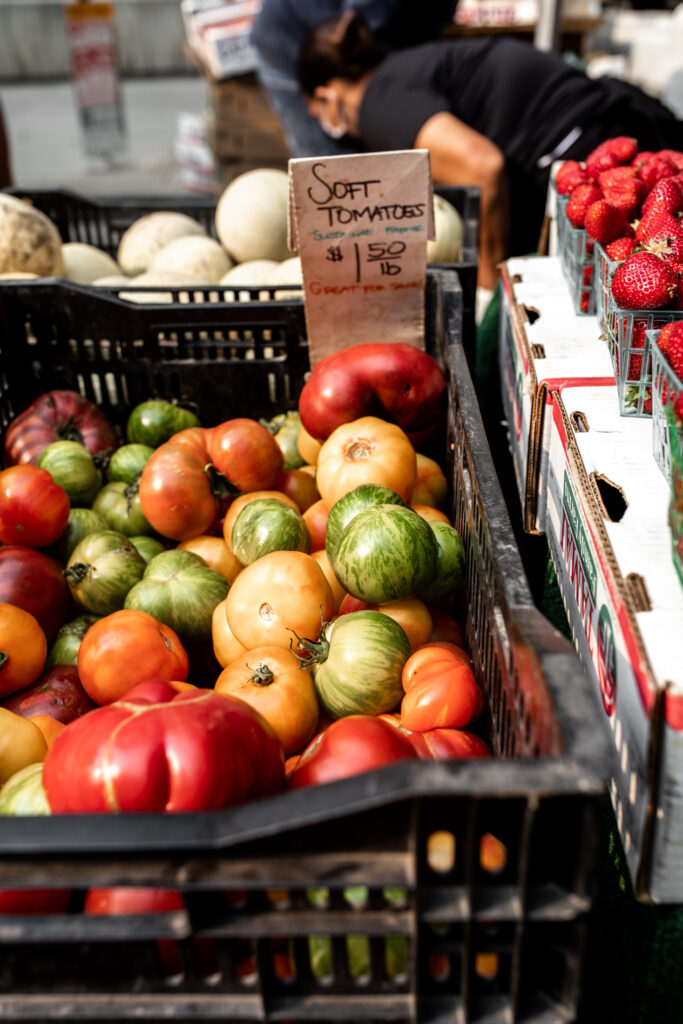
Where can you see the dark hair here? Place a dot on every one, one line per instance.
(342, 47)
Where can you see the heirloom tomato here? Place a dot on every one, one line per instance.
(308, 447)
(246, 453)
(410, 613)
(431, 486)
(300, 485)
(81, 523)
(34, 582)
(181, 495)
(57, 416)
(273, 681)
(119, 505)
(58, 694)
(127, 462)
(450, 565)
(357, 500)
(338, 591)
(23, 649)
(34, 510)
(215, 552)
(431, 515)
(127, 648)
(242, 500)
(440, 690)
(350, 746)
(153, 422)
(357, 664)
(285, 429)
(315, 518)
(367, 451)
(397, 382)
(71, 465)
(385, 553)
(21, 744)
(225, 646)
(280, 595)
(64, 650)
(101, 571)
(23, 793)
(147, 546)
(265, 526)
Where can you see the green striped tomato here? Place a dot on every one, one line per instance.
(385, 553)
(357, 500)
(148, 547)
(119, 504)
(23, 792)
(179, 589)
(101, 571)
(155, 421)
(127, 462)
(358, 663)
(71, 465)
(450, 563)
(64, 650)
(81, 522)
(266, 525)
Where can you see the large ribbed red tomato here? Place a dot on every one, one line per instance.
(160, 750)
(440, 689)
(246, 453)
(57, 416)
(34, 510)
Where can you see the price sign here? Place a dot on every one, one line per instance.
(361, 224)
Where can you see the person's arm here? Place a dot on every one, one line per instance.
(461, 156)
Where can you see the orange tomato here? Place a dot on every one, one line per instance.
(367, 451)
(215, 553)
(426, 654)
(278, 595)
(225, 647)
(244, 499)
(315, 518)
(431, 515)
(21, 744)
(309, 447)
(271, 680)
(338, 591)
(127, 648)
(23, 649)
(50, 727)
(300, 486)
(431, 486)
(410, 613)
(440, 690)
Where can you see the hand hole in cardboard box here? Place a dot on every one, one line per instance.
(611, 498)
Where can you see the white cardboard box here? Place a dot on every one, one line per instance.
(543, 343)
(606, 523)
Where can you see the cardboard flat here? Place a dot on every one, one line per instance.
(361, 224)
(606, 523)
(543, 343)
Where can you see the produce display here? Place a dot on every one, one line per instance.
(286, 599)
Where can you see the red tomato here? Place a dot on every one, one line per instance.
(160, 750)
(246, 453)
(448, 744)
(132, 899)
(126, 648)
(349, 746)
(395, 382)
(179, 495)
(34, 510)
(440, 690)
(33, 581)
(34, 901)
(315, 518)
(57, 416)
(58, 694)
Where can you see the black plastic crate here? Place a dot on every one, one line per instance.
(478, 939)
(102, 222)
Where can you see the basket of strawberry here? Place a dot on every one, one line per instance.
(666, 347)
(676, 503)
(630, 205)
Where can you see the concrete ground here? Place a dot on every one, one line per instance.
(46, 141)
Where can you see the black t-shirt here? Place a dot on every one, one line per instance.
(524, 100)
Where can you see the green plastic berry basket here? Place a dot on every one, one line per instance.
(576, 252)
(628, 333)
(666, 387)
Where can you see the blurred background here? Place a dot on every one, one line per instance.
(161, 96)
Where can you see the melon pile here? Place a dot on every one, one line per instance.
(172, 250)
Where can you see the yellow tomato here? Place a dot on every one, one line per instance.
(431, 515)
(279, 595)
(244, 499)
(308, 447)
(21, 744)
(49, 727)
(225, 646)
(23, 647)
(366, 451)
(271, 680)
(215, 553)
(338, 591)
(431, 486)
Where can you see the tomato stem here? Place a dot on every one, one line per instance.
(220, 485)
(69, 431)
(76, 572)
(262, 675)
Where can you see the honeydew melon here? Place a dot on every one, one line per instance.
(253, 272)
(29, 241)
(147, 235)
(198, 255)
(251, 216)
(447, 246)
(83, 263)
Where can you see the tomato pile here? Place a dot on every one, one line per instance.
(203, 616)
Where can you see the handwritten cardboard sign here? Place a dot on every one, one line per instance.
(361, 224)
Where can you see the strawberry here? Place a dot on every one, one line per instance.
(585, 302)
(604, 222)
(678, 405)
(642, 158)
(623, 147)
(666, 196)
(669, 249)
(598, 161)
(665, 334)
(674, 156)
(620, 248)
(654, 170)
(674, 351)
(644, 281)
(581, 198)
(568, 176)
(658, 225)
(616, 176)
(627, 196)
